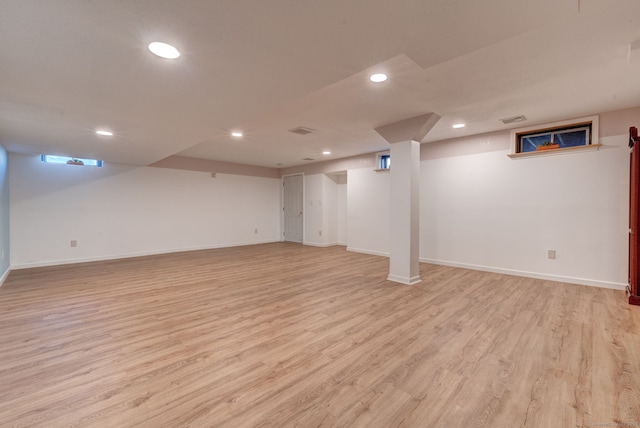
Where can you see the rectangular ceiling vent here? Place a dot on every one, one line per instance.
(307, 159)
(301, 130)
(513, 119)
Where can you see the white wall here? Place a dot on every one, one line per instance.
(313, 210)
(490, 212)
(321, 210)
(119, 211)
(330, 209)
(4, 216)
(368, 211)
(342, 209)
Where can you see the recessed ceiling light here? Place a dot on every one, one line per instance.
(104, 133)
(458, 125)
(326, 152)
(378, 77)
(237, 134)
(164, 50)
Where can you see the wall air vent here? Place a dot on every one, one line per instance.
(513, 119)
(301, 130)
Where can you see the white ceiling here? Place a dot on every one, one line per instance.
(68, 67)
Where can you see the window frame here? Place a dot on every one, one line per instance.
(383, 161)
(567, 125)
(68, 161)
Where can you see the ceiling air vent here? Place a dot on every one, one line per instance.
(301, 130)
(513, 119)
(307, 159)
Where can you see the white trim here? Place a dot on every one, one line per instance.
(404, 280)
(373, 253)
(321, 244)
(526, 274)
(4, 276)
(140, 254)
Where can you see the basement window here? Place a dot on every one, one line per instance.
(560, 137)
(383, 161)
(571, 136)
(71, 160)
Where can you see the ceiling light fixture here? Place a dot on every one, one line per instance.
(378, 77)
(104, 133)
(326, 152)
(236, 134)
(458, 126)
(164, 50)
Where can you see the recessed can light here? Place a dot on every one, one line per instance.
(378, 77)
(326, 152)
(104, 133)
(164, 50)
(236, 134)
(458, 125)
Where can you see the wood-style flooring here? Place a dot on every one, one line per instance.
(283, 335)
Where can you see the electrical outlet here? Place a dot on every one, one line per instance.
(74, 243)
(551, 254)
(319, 233)
(255, 230)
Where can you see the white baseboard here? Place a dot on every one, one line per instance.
(319, 244)
(526, 274)
(5, 275)
(373, 253)
(138, 254)
(404, 280)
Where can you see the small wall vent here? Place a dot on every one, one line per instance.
(301, 130)
(513, 119)
(307, 159)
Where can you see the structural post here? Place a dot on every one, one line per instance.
(404, 266)
(404, 243)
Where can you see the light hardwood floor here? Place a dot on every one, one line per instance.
(284, 335)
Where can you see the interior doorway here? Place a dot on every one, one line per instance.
(293, 208)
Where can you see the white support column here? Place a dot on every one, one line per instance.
(404, 264)
(404, 243)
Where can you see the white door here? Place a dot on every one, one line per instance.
(293, 213)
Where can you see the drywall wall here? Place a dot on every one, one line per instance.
(487, 211)
(342, 209)
(321, 210)
(4, 216)
(313, 210)
(368, 211)
(120, 211)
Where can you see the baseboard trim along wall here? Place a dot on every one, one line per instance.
(372, 253)
(140, 254)
(318, 244)
(4, 276)
(513, 272)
